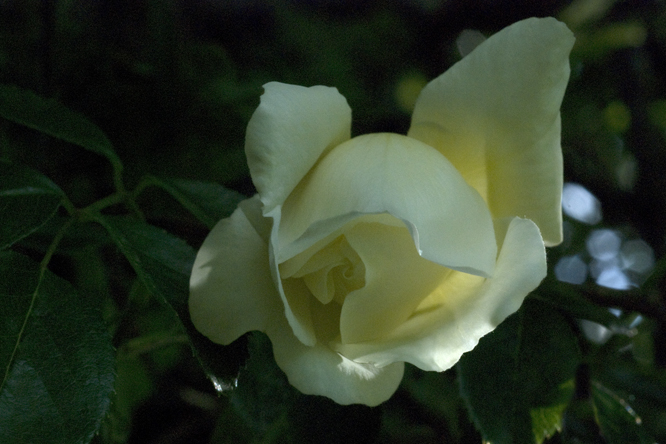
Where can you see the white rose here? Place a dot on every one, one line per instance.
(358, 255)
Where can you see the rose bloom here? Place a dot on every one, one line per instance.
(360, 254)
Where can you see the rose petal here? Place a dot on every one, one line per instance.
(296, 298)
(464, 308)
(318, 370)
(287, 134)
(294, 292)
(397, 280)
(495, 116)
(390, 173)
(231, 290)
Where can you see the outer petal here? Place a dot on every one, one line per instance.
(287, 134)
(318, 370)
(390, 173)
(231, 290)
(495, 116)
(464, 308)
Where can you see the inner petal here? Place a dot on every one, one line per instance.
(329, 273)
(320, 285)
(362, 283)
(397, 280)
(400, 176)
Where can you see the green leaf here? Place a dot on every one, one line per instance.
(618, 422)
(647, 384)
(263, 396)
(437, 393)
(207, 201)
(27, 201)
(163, 263)
(518, 380)
(56, 355)
(84, 237)
(133, 386)
(51, 117)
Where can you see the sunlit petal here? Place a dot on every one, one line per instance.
(287, 134)
(389, 173)
(464, 308)
(231, 290)
(495, 116)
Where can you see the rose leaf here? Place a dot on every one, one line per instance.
(519, 379)
(27, 201)
(56, 354)
(163, 263)
(207, 201)
(51, 117)
(618, 422)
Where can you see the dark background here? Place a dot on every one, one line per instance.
(174, 83)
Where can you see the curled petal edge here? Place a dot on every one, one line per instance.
(450, 323)
(287, 134)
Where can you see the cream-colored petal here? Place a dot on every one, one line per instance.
(297, 301)
(389, 173)
(231, 290)
(464, 308)
(318, 370)
(287, 134)
(294, 292)
(397, 280)
(495, 116)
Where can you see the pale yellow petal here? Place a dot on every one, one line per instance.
(464, 308)
(287, 134)
(495, 116)
(295, 292)
(394, 174)
(318, 370)
(397, 280)
(231, 290)
(296, 297)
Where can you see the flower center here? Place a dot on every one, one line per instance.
(360, 283)
(331, 273)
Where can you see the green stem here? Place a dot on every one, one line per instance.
(145, 182)
(127, 197)
(138, 346)
(91, 211)
(638, 302)
(69, 206)
(118, 176)
(123, 195)
(105, 202)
